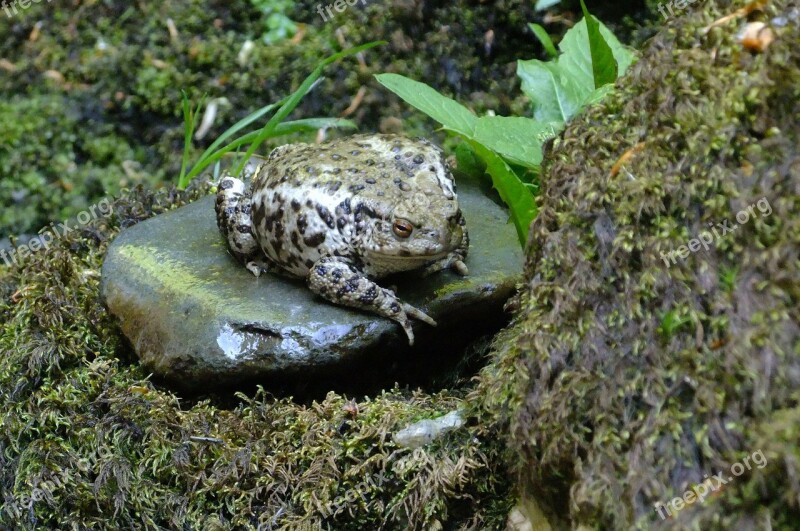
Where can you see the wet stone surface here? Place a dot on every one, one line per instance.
(199, 321)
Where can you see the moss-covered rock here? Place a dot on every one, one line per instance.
(86, 440)
(629, 376)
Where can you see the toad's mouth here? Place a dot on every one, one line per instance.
(401, 256)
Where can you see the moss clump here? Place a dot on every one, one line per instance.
(625, 379)
(52, 166)
(94, 443)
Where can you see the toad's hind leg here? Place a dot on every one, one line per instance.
(235, 224)
(337, 280)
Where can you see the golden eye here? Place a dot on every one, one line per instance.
(402, 228)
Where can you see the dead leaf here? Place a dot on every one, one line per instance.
(756, 36)
(757, 5)
(626, 157)
(356, 102)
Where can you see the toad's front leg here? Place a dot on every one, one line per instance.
(338, 280)
(454, 260)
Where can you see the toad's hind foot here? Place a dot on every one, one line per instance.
(338, 281)
(257, 266)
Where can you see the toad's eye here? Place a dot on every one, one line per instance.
(402, 228)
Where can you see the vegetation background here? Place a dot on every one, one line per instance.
(619, 384)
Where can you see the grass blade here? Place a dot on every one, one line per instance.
(545, 39)
(189, 125)
(294, 100)
(285, 128)
(238, 126)
(188, 130)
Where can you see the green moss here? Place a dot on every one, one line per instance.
(624, 380)
(102, 446)
(52, 166)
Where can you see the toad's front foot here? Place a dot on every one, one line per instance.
(337, 280)
(451, 261)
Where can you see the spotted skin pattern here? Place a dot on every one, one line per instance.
(342, 214)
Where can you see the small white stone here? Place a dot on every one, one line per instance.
(426, 431)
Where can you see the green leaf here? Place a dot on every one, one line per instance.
(622, 54)
(468, 162)
(574, 47)
(604, 66)
(493, 138)
(512, 191)
(519, 140)
(599, 94)
(448, 112)
(544, 38)
(555, 97)
(559, 89)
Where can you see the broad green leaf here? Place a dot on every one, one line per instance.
(622, 54)
(575, 49)
(518, 140)
(559, 89)
(604, 66)
(448, 112)
(493, 138)
(599, 94)
(544, 38)
(513, 192)
(467, 162)
(556, 96)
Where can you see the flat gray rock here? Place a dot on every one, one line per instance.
(198, 320)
